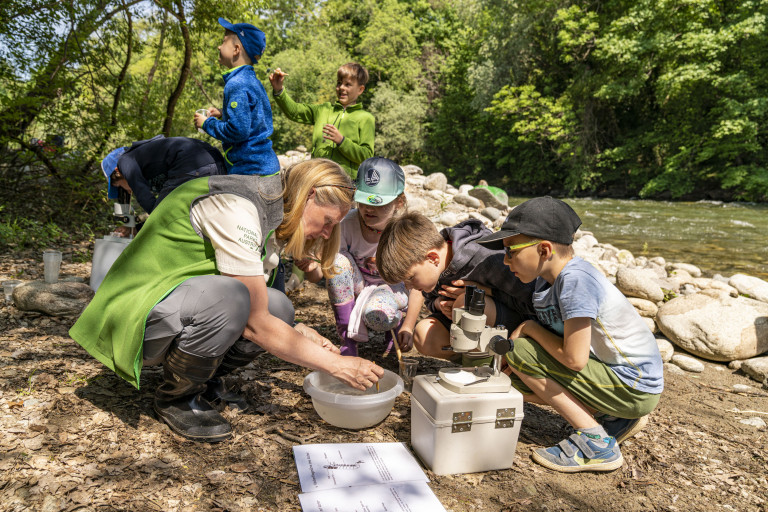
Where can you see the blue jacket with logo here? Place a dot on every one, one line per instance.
(245, 125)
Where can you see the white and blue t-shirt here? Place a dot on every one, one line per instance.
(620, 337)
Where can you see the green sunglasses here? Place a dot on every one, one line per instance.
(509, 249)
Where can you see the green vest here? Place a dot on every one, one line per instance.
(166, 252)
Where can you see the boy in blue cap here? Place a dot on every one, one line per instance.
(244, 124)
(151, 169)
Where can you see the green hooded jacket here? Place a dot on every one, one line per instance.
(355, 124)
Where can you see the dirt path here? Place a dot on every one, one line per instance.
(77, 438)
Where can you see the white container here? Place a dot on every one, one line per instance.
(104, 255)
(463, 433)
(346, 407)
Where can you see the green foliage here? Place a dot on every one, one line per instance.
(659, 98)
(23, 233)
(399, 122)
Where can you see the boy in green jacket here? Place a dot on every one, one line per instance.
(343, 131)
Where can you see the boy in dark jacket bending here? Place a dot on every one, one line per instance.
(440, 264)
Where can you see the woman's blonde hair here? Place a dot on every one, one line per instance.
(332, 187)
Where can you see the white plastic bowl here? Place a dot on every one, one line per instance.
(346, 407)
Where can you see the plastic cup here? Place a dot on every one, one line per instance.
(52, 264)
(8, 287)
(408, 366)
(203, 111)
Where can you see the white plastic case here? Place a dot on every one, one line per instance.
(463, 433)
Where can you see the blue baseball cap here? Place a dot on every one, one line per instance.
(254, 41)
(108, 166)
(379, 181)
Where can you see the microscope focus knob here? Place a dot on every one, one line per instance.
(500, 345)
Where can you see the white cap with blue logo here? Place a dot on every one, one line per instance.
(379, 181)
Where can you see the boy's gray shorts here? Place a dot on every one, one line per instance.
(206, 315)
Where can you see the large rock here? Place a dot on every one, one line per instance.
(436, 181)
(639, 282)
(468, 201)
(757, 368)
(752, 286)
(499, 199)
(59, 299)
(720, 328)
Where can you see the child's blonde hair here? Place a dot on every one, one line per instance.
(404, 243)
(332, 187)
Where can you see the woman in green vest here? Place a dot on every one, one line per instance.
(191, 292)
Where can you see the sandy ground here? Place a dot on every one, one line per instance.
(77, 438)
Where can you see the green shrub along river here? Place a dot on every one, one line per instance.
(719, 238)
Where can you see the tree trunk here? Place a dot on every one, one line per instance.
(153, 69)
(176, 94)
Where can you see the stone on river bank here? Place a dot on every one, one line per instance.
(719, 328)
(639, 282)
(59, 299)
(750, 286)
(757, 368)
(436, 181)
(687, 363)
(490, 196)
(666, 349)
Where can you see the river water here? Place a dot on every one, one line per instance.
(719, 238)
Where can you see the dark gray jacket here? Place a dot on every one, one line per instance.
(475, 262)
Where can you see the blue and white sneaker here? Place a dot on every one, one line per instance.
(622, 428)
(581, 452)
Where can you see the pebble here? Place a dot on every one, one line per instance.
(687, 363)
(673, 369)
(754, 421)
(743, 388)
(735, 365)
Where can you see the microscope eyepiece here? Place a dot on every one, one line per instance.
(477, 304)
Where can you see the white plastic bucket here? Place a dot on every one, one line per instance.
(104, 255)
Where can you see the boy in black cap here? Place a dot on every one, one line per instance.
(590, 356)
(246, 118)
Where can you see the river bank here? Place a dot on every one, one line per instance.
(76, 437)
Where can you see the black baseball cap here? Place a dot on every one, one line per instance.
(545, 217)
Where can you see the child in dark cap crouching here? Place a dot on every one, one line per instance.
(590, 355)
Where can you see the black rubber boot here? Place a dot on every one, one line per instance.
(178, 401)
(239, 355)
